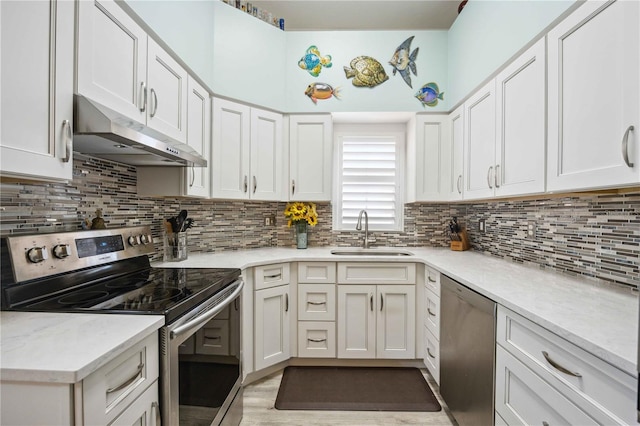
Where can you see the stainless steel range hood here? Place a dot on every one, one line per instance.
(103, 133)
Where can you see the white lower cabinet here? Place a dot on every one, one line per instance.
(432, 354)
(317, 339)
(431, 322)
(271, 326)
(540, 377)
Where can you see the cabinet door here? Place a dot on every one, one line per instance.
(199, 137)
(520, 109)
(36, 93)
(145, 411)
(230, 150)
(396, 321)
(357, 321)
(310, 157)
(112, 58)
(456, 165)
(271, 327)
(167, 92)
(479, 143)
(433, 157)
(266, 155)
(590, 141)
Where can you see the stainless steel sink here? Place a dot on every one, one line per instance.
(347, 251)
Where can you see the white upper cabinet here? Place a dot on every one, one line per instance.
(594, 97)
(479, 143)
(246, 154)
(433, 157)
(36, 93)
(520, 137)
(123, 69)
(310, 157)
(455, 123)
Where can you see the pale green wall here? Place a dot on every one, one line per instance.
(488, 32)
(392, 95)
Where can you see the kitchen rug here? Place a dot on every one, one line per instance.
(355, 389)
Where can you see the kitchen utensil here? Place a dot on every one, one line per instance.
(180, 219)
(174, 224)
(188, 223)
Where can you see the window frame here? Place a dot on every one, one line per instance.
(393, 130)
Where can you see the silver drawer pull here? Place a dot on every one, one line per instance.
(431, 313)
(431, 280)
(430, 354)
(128, 381)
(317, 303)
(213, 338)
(273, 276)
(317, 340)
(625, 146)
(156, 407)
(559, 367)
(489, 177)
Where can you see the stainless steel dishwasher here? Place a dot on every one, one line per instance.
(467, 353)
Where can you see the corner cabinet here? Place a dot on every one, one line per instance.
(36, 92)
(595, 143)
(433, 156)
(246, 153)
(185, 181)
(310, 157)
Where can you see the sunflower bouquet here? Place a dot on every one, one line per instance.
(301, 214)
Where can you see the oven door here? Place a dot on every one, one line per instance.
(200, 365)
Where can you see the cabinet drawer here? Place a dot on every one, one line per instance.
(111, 388)
(213, 338)
(317, 302)
(605, 391)
(432, 313)
(145, 411)
(317, 272)
(432, 354)
(376, 273)
(317, 339)
(432, 280)
(523, 398)
(271, 275)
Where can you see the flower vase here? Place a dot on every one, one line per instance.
(301, 235)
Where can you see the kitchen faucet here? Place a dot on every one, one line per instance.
(365, 243)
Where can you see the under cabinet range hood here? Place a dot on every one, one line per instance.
(103, 133)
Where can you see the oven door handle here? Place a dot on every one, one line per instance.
(207, 315)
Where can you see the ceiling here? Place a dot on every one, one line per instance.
(362, 15)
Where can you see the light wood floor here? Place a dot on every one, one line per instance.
(260, 397)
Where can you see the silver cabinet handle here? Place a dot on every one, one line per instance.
(245, 184)
(286, 302)
(255, 184)
(458, 184)
(143, 93)
(489, 176)
(545, 423)
(431, 280)
(497, 176)
(68, 144)
(317, 303)
(316, 340)
(559, 367)
(625, 146)
(430, 354)
(273, 276)
(156, 407)
(430, 313)
(293, 186)
(371, 302)
(128, 381)
(193, 176)
(213, 337)
(381, 302)
(155, 103)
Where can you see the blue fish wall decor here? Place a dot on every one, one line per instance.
(313, 61)
(429, 94)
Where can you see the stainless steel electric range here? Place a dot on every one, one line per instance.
(108, 271)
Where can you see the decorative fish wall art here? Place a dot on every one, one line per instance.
(366, 72)
(313, 61)
(402, 61)
(317, 91)
(429, 94)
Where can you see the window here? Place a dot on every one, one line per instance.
(369, 176)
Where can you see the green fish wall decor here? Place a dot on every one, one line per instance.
(366, 72)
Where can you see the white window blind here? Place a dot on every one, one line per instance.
(369, 180)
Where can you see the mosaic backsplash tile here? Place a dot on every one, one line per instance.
(592, 235)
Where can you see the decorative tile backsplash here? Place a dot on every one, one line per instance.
(591, 235)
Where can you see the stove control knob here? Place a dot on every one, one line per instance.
(133, 240)
(145, 239)
(61, 251)
(37, 254)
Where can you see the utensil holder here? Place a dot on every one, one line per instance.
(175, 246)
(463, 244)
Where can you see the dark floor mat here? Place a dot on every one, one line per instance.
(355, 389)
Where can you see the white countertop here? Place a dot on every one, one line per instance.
(600, 318)
(65, 348)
